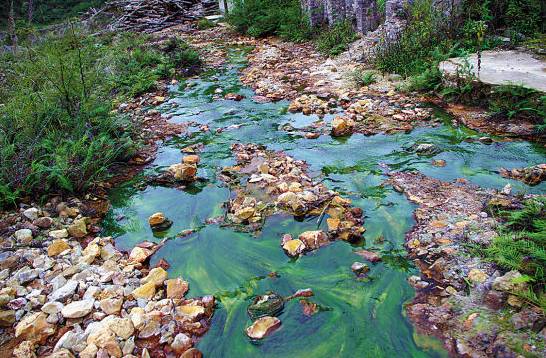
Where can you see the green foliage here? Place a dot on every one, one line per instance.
(521, 246)
(58, 131)
(362, 78)
(259, 18)
(517, 101)
(204, 24)
(336, 39)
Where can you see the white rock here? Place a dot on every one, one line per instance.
(59, 234)
(52, 307)
(65, 291)
(23, 235)
(31, 213)
(78, 309)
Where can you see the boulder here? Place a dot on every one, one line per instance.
(78, 229)
(342, 126)
(59, 234)
(23, 235)
(184, 172)
(111, 305)
(7, 318)
(190, 159)
(314, 239)
(146, 291)
(34, 327)
(294, 247)
(122, 327)
(139, 255)
(509, 283)
(181, 343)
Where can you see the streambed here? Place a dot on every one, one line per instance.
(356, 317)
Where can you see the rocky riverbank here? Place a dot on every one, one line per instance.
(472, 305)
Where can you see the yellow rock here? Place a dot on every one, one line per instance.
(478, 276)
(56, 247)
(176, 288)
(339, 201)
(191, 311)
(294, 247)
(156, 219)
(295, 187)
(78, 229)
(191, 159)
(333, 223)
(91, 250)
(146, 291)
(245, 213)
(156, 275)
(139, 255)
(34, 327)
(184, 171)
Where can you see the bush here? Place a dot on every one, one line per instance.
(512, 101)
(57, 128)
(336, 39)
(259, 18)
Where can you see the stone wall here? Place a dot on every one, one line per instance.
(365, 13)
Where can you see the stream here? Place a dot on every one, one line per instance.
(356, 317)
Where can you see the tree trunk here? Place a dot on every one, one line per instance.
(30, 11)
(11, 27)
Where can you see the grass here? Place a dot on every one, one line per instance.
(336, 39)
(204, 24)
(58, 128)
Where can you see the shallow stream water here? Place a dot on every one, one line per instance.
(357, 318)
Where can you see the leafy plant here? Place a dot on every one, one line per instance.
(204, 24)
(362, 78)
(336, 39)
(513, 101)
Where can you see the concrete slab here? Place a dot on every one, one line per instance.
(504, 67)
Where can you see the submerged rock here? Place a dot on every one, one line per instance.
(360, 269)
(425, 149)
(263, 327)
(533, 175)
(269, 304)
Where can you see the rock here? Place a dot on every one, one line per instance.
(509, 282)
(146, 291)
(191, 159)
(263, 327)
(78, 309)
(477, 276)
(486, 140)
(139, 255)
(62, 353)
(528, 318)
(65, 291)
(159, 221)
(191, 311)
(73, 340)
(245, 213)
(78, 229)
(44, 222)
(309, 308)
(439, 163)
(129, 346)
(368, 255)
(359, 268)
(103, 337)
(156, 275)
(34, 327)
(56, 247)
(312, 135)
(111, 305)
(183, 172)
(122, 327)
(59, 234)
(342, 126)
(294, 247)
(425, 149)
(314, 239)
(176, 288)
(52, 307)
(23, 235)
(495, 300)
(31, 213)
(192, 353)
(24, 350)
(25, 275)
(7, 318)
(89, 352)
(181, 343)
(270, 304)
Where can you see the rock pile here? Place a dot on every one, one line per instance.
(266, 182)
(459, 295)
(533, 175)
(73, 294)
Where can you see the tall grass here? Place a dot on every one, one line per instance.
(58, 130)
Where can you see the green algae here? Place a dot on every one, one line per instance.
(357, 318)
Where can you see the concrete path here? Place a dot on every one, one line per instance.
(504, 67)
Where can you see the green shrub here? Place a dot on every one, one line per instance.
(513, 101)
(362, 78)
(58, 131)
(259, 18)
(335, 40)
